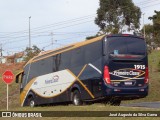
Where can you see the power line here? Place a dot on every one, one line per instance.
(59, 23)
(71, 20)
(6, 37)
(22, 40)
(145, 2)
(54, 24)
(47, 34)
(69, 26)
(50, 30)
(150, 5)
(37, 34)
(22, 46)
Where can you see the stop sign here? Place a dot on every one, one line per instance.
(8, 76)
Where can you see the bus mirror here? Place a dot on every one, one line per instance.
(19, 77)
(17, 80)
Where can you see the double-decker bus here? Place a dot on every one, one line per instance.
(106, 68)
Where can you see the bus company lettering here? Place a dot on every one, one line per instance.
(53, 80)
(126, 73)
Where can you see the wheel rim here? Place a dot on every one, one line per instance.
(32, 103)
(76, 100)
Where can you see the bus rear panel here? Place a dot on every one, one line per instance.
(125, 71)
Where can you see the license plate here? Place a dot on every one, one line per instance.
(128, 83)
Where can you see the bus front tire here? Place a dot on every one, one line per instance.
(76, 98)
(31, 102)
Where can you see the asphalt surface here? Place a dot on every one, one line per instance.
(143, 104)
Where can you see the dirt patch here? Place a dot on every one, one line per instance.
(13, 67)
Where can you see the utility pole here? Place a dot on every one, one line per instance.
(52, 39)
(29, 33)
(144, 31)
(1, 52)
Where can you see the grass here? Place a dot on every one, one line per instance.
(154, 95)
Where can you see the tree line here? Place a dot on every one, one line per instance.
(114, 16)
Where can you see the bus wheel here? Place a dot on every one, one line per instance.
(31, 102)
(115, 102)
(76, 98)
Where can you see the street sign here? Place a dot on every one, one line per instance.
(8, 77)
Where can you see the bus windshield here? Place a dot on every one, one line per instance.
(126, 45)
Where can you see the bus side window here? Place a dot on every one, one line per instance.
(42, 67)
(23, 83)
(56, 62)
(77, 58)
(65, 60)
(93, 52)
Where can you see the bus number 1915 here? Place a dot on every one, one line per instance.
(139, 66)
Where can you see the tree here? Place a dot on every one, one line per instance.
(91, 37)
(156, 26)
(113, 15)
(31, 52)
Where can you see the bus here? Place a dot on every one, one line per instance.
(108, 68)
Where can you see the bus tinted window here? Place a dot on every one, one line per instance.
(126, 45)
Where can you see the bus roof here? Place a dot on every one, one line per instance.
(125, 35)
(63, 49)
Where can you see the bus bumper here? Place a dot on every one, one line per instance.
(127, 93)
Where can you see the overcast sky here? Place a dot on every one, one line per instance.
(59, 22)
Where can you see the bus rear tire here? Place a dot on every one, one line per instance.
(76, 98)
(115, 102)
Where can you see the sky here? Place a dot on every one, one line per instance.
(53, 23)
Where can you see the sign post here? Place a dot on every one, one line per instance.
(8, 77)
(7, 97)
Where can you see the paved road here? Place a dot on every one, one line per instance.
(143, 104)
